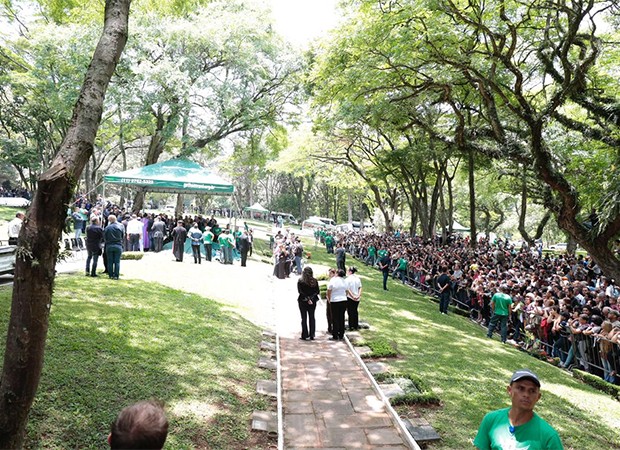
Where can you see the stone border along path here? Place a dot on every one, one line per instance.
(329, 398)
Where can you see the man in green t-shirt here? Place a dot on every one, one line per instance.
(518, 427)
(501, 304)
(207, 239)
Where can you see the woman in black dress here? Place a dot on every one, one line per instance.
(308, 289)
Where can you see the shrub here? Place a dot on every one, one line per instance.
(134, 256)
(597, 383)
(425, 396)
(381, 348)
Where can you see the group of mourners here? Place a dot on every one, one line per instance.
(110, 230)
(344, 292)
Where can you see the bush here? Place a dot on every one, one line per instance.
(381, 348)
(597, 383)
(134, 256)
(424, 397)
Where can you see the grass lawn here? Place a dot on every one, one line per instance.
(7, 213)
(470, 372)
(111, 344)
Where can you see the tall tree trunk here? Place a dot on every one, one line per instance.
(38, 241)
(472, 198)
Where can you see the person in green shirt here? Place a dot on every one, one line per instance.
(401, 268)
(329, 243)
(207, 239)
(372, 255)
(501, 305)
(518, 427)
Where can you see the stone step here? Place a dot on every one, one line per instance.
(268, 346)
(354, 337)
(267, 387)
(269, 334)
(421, 430)
(391, 390)
(267, 363)
(265, 421)
(376, 367)
(362, 351)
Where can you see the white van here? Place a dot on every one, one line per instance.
(288, 218)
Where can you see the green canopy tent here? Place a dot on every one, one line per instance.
(178, 175)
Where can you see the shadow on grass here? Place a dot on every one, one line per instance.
(111, 344)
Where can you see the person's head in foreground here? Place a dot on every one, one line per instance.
(142, 425)
(518, 426)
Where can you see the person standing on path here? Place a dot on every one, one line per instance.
(196, 236)
(244, 247)
(384, 265)
(331, 273)
(114, 236)
(179, 235)
(341, 257)
(207, 238)
(308, 289)
(14, 227)
(518, 426)
(337, 296)
(159, 231)
(94, 241)
(444, 285)
(134, 233)
(501, 305)
(354, 295)
(298, 251)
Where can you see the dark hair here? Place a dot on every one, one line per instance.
(142, 425)
(352, 269)
(340, 273)
(307, 278)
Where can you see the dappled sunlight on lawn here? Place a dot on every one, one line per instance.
(198, 409)
(408, 315)
(599, 405)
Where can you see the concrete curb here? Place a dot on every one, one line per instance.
(402, 429)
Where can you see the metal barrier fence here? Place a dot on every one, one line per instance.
(595, 355)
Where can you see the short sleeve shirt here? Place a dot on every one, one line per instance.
(494, 434)
(502, 302)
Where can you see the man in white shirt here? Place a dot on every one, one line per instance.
(354, 294)
(134, 233)
(14, 227)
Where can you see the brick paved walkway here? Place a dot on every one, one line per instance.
(329, 401)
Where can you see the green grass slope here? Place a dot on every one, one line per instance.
(111, 344)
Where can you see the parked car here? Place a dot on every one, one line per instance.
(288, 218)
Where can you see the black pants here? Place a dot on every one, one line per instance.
(328, 316)
(208, 251)
(386, 274)
(308, 324)
(340, 264)
(444, 301)
(196, 253)
(352, 314)
(244, 258)
(338, 310)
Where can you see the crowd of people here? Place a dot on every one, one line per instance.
(110, 230)
(560, 305)
(17, 192)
